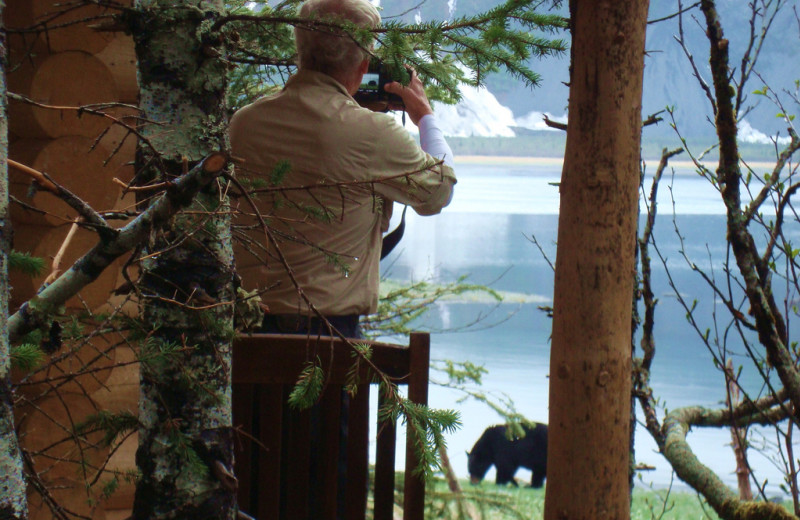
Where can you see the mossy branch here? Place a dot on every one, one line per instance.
(36, 312)
(722, 498)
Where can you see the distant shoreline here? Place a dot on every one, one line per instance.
(507, 159)
(558, 161)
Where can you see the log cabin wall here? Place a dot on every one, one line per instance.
(60, 60)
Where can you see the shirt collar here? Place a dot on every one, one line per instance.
(314, 78)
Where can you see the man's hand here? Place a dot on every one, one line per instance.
(413, 95)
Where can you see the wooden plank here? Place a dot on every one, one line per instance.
(414, 496)
(323, 499)
(73, 22)
(385, 448)
(279, 358)
(295, 465)
(285, 488)
(271, 406)
(243, 445)
(357, 455)
(120, 58)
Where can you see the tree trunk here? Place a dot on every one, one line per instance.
(185, 452)
(13, 504)
(590, 361)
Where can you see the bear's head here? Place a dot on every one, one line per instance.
(478, 463)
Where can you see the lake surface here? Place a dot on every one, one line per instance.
(486, 234)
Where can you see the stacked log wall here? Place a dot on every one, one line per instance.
(58, 58)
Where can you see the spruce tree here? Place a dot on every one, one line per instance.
(13, 504)
(185, 454)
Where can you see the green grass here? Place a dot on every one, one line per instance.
(501, 503)
(666, 505)
(491, 502)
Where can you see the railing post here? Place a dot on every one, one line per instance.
(385, 447)
(420, 353)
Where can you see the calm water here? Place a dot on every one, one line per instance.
(485, 233)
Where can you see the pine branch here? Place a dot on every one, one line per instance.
(26, 356)
(308, 387)
(25, 263)
(501, 38)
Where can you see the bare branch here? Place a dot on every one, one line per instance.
(36, 312)
(88, 213)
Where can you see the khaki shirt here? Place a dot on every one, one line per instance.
(346, 166)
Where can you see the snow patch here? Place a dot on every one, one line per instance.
(480, 114)
(451, 8)
(748, 134)
(477, 114)
(535, 121)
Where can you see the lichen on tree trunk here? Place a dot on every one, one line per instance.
(13, 505)
(185, 440)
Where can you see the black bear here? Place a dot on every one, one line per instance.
(507, 455)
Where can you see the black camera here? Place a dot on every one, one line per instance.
(371, 94)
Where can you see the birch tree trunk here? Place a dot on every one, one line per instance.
(185, 452)
(13, 505)
(590, 362)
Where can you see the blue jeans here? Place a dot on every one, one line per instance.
(297, 324)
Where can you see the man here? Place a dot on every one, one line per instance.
(346, 166)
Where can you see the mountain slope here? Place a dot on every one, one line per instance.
(668, 77)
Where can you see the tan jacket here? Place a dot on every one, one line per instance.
(346, 165)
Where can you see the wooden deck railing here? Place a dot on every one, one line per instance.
(298, 465)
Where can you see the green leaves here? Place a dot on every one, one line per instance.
(465, 50)
(308, 388)
(403, 305)
(427, 426)
(461, 372)
(445, 54)
(361, 352)
(26, 356)
(25, 263)
(192, 467)
(279, 172)
(113, 425)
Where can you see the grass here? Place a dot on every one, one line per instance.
(488, 501)
(508, 503)
(665, 505)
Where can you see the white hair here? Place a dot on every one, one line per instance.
(327, 49)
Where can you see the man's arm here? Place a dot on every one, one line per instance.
(431, 137)
(419, 110)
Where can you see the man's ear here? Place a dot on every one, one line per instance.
(364, 66)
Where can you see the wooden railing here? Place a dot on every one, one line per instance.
(314, 464)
